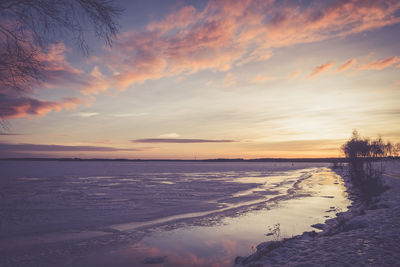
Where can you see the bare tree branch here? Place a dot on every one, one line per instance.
(28, 27)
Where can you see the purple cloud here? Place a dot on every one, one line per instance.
(57, 148)
(180, 140)
(10, 133)
(17, 107)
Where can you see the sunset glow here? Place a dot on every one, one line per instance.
(216, 79)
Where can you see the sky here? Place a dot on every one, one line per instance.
(216, 79)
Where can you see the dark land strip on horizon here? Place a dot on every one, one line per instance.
(196, 160)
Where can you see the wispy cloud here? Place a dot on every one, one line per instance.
(229, 80)
(321, 68)
(180, 140)
(347, 65)
(218, 37)
(226, 34)
(10, 133)
(63, 148)
(261, 78)
(379, 64)
(302, 146)
(123, 115)
(86, 114)
(169, 135)
(295, 74)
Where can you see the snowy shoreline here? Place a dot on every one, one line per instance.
(365, 235)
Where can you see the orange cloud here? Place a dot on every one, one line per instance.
(320, 69)
(380, 64)
(295, 74)
(347, 65)
(232, 33)
(222, 35)
(261, 78)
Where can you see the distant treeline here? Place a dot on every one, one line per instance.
(330, 160)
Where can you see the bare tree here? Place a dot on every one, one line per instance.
(356, 147)
(28, 27)
(396, 150)
(360, 153)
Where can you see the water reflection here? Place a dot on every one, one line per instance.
(220, 243)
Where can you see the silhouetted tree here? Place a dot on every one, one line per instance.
(396, 150)
(356, 147)
(28, 27)
(360, 153)
(377, 148)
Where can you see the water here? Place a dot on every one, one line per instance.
(162, 213)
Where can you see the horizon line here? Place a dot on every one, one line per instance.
(177, 159)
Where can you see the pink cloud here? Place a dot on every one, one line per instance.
(347, 65)
(23, 106)
(232, 33)
(380, 64)
(222, 35)
(57, 72)
(321, 68)
(182, 18)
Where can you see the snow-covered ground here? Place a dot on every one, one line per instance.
(167, 213)
(366, 235)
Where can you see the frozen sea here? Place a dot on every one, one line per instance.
(115, 213)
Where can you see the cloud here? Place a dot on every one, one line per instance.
(347, 65)
(295, 74)
(225, 34)
(96, 72)
(182, 18)
(380, 64)
(229, 80)
(59, 148)
(24, 106)
(123, 115)
(86, 114)
(54, 70)
(261, 78)
(169, 135)
(180, 140)
(320, 69)
(10, 133)
(57, 72)
(301, 146)
(222, 35)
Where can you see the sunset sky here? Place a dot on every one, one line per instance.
(211, 79)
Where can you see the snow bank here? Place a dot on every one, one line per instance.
(366, 235)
